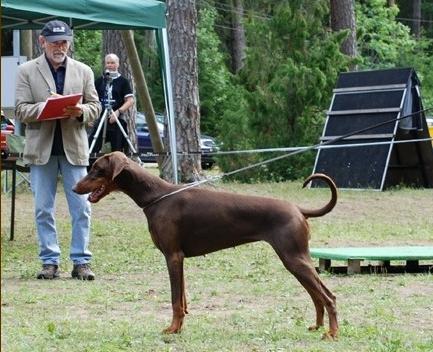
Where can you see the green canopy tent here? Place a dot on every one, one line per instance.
(98, 14)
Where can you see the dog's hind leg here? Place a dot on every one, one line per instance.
(320, 312)
(178, 300)
(301, 267)
(308, 278)
(185, 306)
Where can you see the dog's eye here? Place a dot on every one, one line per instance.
(96, 172)
(99, 173)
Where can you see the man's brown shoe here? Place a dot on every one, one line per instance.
(49, 272)
(82, 272)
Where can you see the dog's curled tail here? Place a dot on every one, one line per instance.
(314, 213)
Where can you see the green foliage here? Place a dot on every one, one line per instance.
(292, 65)
(88, 48)
(235, 133)
(381, 39)
(147, 51)
(420, 58)
(384, 42)
(214, 77)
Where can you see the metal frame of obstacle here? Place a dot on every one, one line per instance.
(363, 99)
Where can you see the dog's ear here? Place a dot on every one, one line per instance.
(118, 161)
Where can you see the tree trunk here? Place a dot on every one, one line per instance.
(37, 50)
(182, 21)
(391, 3)
(238, 36)
(27, 44)
(343, 17)
(416, 15)
(112, 42)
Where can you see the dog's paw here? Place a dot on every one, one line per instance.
(330, 336)
(314, 327)
(172, 330)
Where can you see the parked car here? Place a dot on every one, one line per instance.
(144, 143)
(7, 127)
(208, 146)
(207, 143)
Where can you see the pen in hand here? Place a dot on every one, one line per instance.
(53, 94)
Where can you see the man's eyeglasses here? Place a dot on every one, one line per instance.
(59, 43)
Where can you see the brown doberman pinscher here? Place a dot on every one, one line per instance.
(187, 222)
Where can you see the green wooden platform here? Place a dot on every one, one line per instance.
(384, 255)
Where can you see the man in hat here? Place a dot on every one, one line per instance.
(57, 146)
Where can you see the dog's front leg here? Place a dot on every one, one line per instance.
(175, 271)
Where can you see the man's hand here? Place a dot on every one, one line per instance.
(114, 115)
(73, 111)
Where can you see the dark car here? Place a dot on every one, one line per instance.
(207, 143)
(144, 143)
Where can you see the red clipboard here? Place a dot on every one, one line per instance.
(54, 106)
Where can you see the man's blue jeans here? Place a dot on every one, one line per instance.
(44, 185)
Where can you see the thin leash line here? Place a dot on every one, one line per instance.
(290, 149)
(375, 143)
(299, 151)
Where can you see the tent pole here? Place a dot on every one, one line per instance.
(16, 42)
(170, 104)
(16, 50)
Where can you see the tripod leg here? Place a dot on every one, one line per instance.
(104, 131)
(102, 123)
(125, 135)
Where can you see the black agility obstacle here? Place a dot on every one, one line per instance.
(377, 158)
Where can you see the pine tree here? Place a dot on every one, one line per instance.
(292, 64)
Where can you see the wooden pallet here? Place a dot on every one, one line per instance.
(354, 256)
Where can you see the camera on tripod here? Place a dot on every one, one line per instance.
(108, 100)
(109, 75)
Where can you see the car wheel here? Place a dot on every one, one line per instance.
(206, 166)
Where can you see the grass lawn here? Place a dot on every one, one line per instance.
(240, 299)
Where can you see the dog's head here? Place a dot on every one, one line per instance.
(100, 180)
